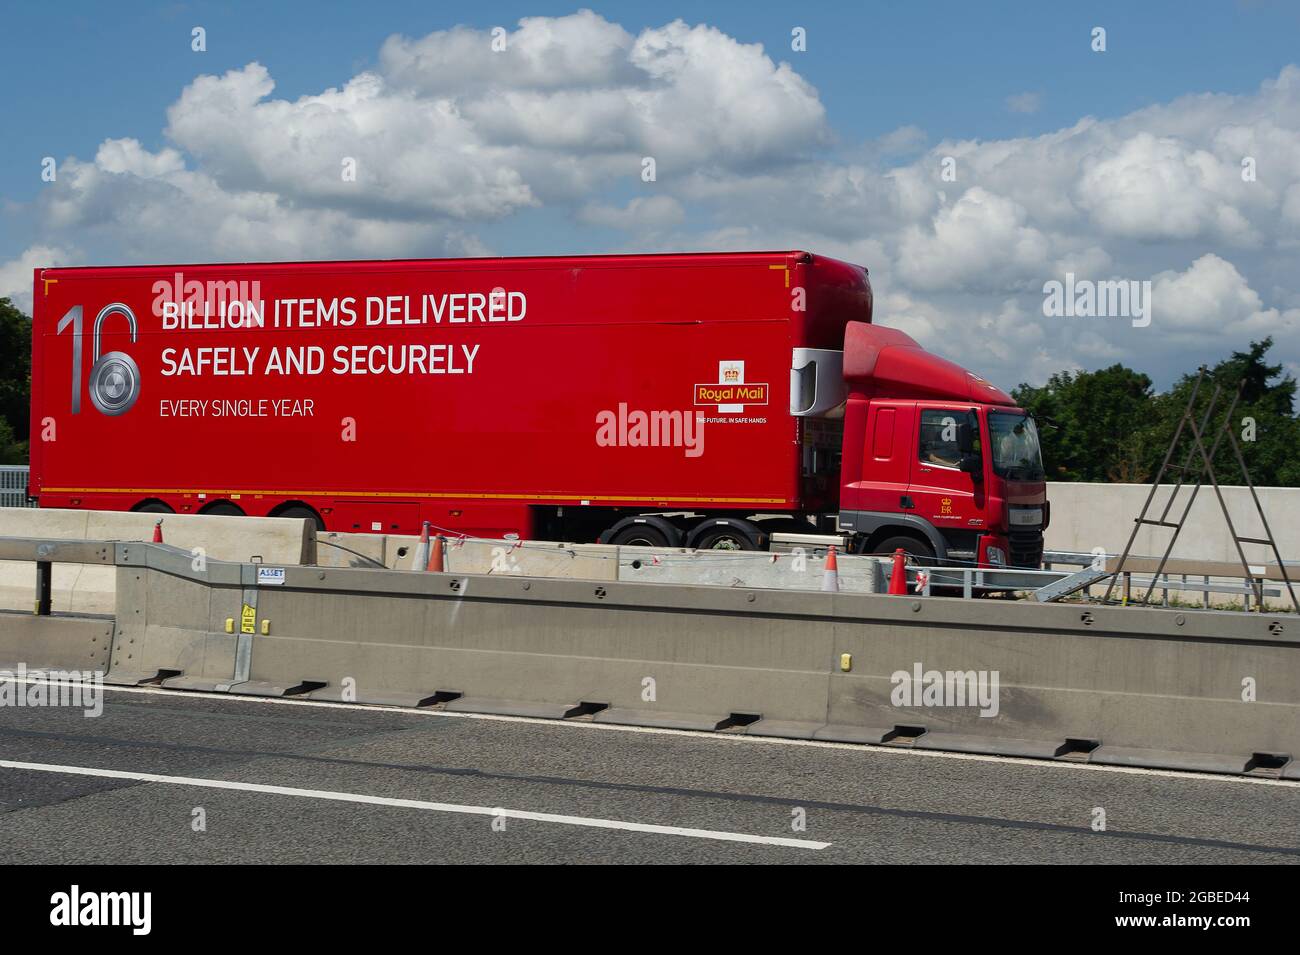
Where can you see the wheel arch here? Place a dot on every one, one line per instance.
(284, 507)
(872, 526)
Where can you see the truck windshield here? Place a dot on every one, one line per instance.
(1016, 455)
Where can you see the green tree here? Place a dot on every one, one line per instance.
(1264, 422)
(1109, 425)
(12, 451)
(15, 370)
(1094, 425)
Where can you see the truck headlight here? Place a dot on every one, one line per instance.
(996, 556)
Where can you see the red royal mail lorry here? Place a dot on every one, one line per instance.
(707, 400)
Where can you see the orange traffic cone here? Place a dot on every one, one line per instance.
(831, 574)
(435, 555)
(157, 532)
(898, 577)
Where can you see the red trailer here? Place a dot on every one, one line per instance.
(696, 399)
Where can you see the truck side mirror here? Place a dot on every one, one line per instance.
(972, 464)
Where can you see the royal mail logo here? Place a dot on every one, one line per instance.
(731, 393)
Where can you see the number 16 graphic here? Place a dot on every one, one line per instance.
(115, 377)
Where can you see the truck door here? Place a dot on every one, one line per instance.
(945, 495)
(878, 476)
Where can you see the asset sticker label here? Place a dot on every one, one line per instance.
(270, 576)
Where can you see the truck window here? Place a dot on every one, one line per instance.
(1016, 454)
(939, 444)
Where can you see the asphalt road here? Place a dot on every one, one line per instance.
(359, 785)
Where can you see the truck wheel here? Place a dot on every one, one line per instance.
(920, 552)
(303, 513)
(726, 533)
(644, 532)
(152, 507)
(222, 509)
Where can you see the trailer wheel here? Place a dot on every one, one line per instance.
(301, 512)
(914, 548)
(222, 509)
(726, 533)
(648, 531)
(152, 506)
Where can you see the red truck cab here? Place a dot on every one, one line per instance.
(936, 460)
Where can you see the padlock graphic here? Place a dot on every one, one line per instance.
(115, 377)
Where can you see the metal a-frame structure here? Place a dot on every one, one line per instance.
(1202, 470)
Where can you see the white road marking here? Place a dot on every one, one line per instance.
(366, 799)
(724, 738)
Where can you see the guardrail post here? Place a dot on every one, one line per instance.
(44, 587)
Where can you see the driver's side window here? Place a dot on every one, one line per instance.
(939, 444)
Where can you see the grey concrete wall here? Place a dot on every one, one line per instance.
(1085, 516)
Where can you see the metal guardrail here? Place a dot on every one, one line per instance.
(1254, 586)
(986, 580)
(973, 580)
(13, 485)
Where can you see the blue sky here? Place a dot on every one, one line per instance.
(946, 67)
(109, 72)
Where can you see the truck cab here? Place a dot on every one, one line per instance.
(936, 460)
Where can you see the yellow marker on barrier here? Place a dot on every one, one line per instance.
(248, 620)
(846, 662)
(230, 625)
(266, 628)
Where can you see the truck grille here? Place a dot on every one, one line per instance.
(1026, 547)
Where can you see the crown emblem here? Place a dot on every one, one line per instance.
(730, 375)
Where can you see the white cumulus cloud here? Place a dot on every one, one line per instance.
(460, 133)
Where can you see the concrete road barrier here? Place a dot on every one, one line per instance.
(89, 589)
(472, 556)
(1149, 687)
(746, 569)
(277, 540)
(783, 571)
(67, 642)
